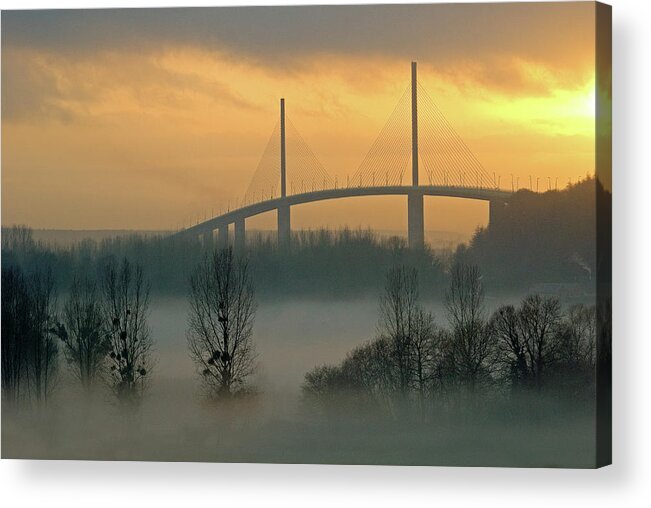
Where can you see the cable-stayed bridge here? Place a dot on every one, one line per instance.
(430, 159)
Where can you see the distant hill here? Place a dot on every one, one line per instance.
(542, 238)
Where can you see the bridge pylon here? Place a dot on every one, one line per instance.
(415, 209)
(284, 217)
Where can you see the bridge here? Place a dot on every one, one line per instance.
(450, 168)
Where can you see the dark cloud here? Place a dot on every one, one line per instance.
(274, 36)
(31, 89)
(469, 45)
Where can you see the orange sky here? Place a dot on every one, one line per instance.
(150, 119)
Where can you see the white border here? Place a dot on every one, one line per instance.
(69, 484)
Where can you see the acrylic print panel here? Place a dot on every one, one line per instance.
(314, 234)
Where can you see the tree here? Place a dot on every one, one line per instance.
(42, 352)
(125, 312)
(576, 356)
(577, 348)
(84, 335)
(539, 323)
(15, 333)
(470, 344)
(398, 313)
(425, 354)
(222, 311)
(511, 356)
(29, 348)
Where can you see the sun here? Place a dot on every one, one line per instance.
(589, 102)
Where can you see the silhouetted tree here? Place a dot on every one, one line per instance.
(83, 332)
(470, 345)
(539, 325)
(16, 330)
(222, 310)
(125, 311)
(43, 349)
(29, 349)
(398, 314)
(370, 373)
(576, 356)
(18, 238)
(332, 389)
(400, 364)
(511, 355)
(425, 354)
(577, 347)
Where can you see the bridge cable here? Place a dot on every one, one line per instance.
(268, 169)
(453, 138)
(384, 160)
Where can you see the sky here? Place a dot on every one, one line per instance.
(155, 118)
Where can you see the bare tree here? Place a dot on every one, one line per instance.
(425, 354)
(511, 356)
(29, 348)
(576, 355)
(220, 334)
(125, 311)
(471, 345)
(43, 349)
(83, 332)
(577, 346)
(539, 321)
(15, 333)
(18, 239)
(398, 313)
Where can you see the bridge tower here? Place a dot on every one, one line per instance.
(284, 218)
(415, 214)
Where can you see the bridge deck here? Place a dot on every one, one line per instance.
(345, 192)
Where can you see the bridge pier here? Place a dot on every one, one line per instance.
(240, 236)
(222, 237)
(284, 226)
(415, 220)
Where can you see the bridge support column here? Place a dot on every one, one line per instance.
(415, 220)
(207, 240)
(284, 226)
(222, 237)
(240, 236)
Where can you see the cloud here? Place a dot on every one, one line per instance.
(511, 48)
(281, 37)
(29, 91)
(54, 87)
(182, 101)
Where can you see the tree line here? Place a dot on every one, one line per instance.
(321, 263)
(101, 330)
(417, 363)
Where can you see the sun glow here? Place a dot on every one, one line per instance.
(188, 122)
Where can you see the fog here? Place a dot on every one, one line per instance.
(290, 336)
(175, 423)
